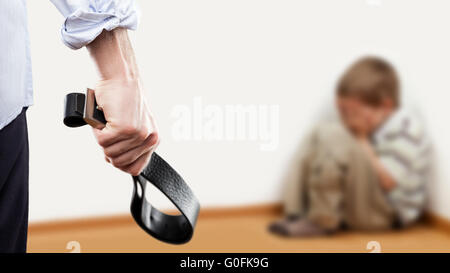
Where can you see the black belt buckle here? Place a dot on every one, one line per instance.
(81, 109)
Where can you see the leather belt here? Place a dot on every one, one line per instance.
(81, 109)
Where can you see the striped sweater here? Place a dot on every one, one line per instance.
(404, 150)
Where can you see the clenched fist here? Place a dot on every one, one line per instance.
(130, 135)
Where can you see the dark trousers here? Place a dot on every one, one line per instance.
(14, 186)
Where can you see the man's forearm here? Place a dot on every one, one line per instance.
(113, 55)
(130, 134)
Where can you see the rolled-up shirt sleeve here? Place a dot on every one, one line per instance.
(86, 19)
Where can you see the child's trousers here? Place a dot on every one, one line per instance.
(333, 183)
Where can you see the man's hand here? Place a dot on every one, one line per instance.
(130, 135)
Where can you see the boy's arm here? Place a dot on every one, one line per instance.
(387, 182)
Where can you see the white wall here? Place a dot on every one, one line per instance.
(286, 53)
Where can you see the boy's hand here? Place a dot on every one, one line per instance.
(387, 182)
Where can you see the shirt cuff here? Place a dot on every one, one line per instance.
(84, 24)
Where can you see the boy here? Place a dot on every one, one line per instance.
(366, 172)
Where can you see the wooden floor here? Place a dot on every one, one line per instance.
(237, 233)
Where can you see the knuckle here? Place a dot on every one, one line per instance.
(142, 135)
(108, 153)
(134, 173)
(117, 162)
(155, 139)
(113, 162)
(135, 169)
(124, 169)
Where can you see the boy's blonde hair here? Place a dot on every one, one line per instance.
(370, 79)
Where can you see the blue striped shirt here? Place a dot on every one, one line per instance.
(404, 149)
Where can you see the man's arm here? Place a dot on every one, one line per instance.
(84, 20)
(113, 55)
(130, 134)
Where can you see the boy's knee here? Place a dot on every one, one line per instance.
(332, 131)
(334, 141)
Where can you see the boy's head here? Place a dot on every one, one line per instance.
(367, 94)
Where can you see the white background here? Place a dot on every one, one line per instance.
(288, 53)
